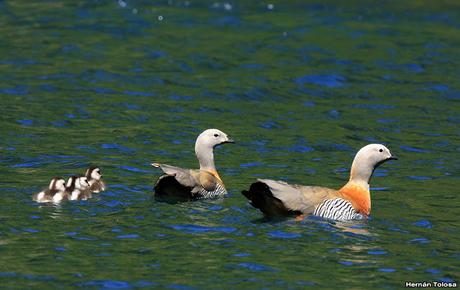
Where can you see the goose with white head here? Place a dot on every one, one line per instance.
(352, 201)
(190, 184)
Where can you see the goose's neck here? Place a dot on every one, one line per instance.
(357, 188)
(361, 171)
(205, 156)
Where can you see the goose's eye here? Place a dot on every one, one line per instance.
(216, 135)
(380, 150)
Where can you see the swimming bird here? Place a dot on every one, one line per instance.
(189, 184)
(94, 177)
(352, 201)
(54, 193)
(76, 186)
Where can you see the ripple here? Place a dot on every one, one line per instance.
(413, 67)
(374, 106)
(270, 125)
(61, 123)
(423, 223)
(18, 90)
(118, 147)
(419, 241)
(25, 122)
(139, 94)
(413, 149)
(133, 169)
(180, 287)
(446, 280)
(439, 88)
(107, 284)
(333, 114)
(129, 236)
(330, 81)
(227, 21)
(18, 61)
(300, 148)
(255, 66)
(251, 164)
(283, 235)
(346, 263)
(27, 164)
(380, 188)
(180, 98)
(27, 276)
(195, 229)
(142, 284)
(387, 270)
(377, 252)
(113, 203)
(83, 238)
(256, 267)
(417, 177)
(242, 255)
(433, 271)
(101, 90)
(216, 208)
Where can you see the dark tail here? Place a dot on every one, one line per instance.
(262, 198)
(168, 189)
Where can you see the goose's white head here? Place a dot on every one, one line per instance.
(367, 160)
(93, 173)
(211, 138)
(205, 144)
(57, 183)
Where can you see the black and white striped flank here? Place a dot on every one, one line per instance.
(219, 191)
(337, 209)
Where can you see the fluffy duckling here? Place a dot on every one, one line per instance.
(94, 176)
(76, 187)
(56, 192)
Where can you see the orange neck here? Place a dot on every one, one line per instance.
(215, 174)
(359, 196)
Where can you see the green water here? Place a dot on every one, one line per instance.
(300, 87)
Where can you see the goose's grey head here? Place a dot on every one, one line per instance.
(205, 144)
(211, 138)
(368, 159)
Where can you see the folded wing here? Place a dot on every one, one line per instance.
(187, 183)
(275, 198)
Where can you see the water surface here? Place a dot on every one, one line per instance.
(300, 87)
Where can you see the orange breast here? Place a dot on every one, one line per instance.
(359, 197)
(215, 174)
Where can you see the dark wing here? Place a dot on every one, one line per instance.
(167, 187)
(262, 198)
